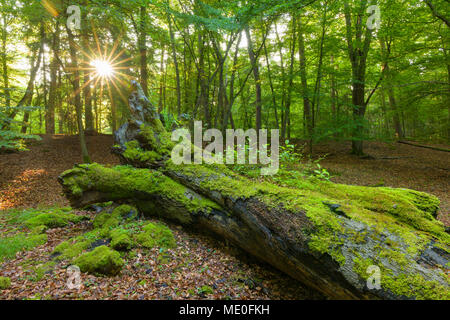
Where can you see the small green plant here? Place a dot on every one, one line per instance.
(322, 173)
(204, 290)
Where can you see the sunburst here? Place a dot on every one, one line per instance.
(99, 66)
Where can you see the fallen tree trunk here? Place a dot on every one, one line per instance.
(325, 235)
(424, 146)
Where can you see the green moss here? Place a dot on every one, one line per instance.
(50, 217)
(157, 138)
(101, 260)
(39, 230)
(101, 219)
(71, 249)
(156, 235)
(120, 240)
(9, 246)
(53, 220)
(125, 182)
(108, 221)
(407, 285)
(126, 212)
(134, 153)
(5, 283)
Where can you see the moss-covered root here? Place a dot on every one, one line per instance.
(102, 260)
(5, 283)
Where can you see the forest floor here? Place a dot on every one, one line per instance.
(29, 180)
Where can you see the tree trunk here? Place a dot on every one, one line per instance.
(88, 115)
(142, 34)
(4, 56)
(175, 63)
(77, 95)
(28, 95)
(53, 94)
(326, 235)
(305, 90)
(358, 50)
(254, 62)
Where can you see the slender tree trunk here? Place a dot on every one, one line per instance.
(161, 81)
(175, 62)
(5, 65)
(143, 48)
(283, 89)
(304, 83)
(77, 97)
(334, 97)
(53, 98)
(390, 91)
(254, 62)
(358, 57)
(89, 117)
(274, 99)
(287, 117)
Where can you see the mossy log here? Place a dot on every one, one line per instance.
(323, 234)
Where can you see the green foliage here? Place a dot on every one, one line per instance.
(5, 283)
(205, 290)
(12, 140)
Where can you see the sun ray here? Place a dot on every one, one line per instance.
(48, 5)
(115, 46)
(120, 92)
(75, 93)
(122, 82)
(96, 40)
(122, 61)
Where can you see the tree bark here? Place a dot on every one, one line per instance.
(88, 115)
(300, 228)
(5, 63)
(77, 95)
(358, 53)
(254, 62)
(305, 90)
(53, 93)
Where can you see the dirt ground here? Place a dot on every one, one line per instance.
(29, 179)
